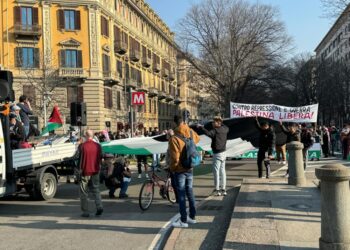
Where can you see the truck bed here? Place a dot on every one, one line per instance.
(42, 155)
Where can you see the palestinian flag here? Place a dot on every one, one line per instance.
(54, 122)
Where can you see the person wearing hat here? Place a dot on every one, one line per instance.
(17, 133)
(16, 110)
(218, 135)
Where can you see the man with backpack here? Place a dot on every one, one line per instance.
(307, 140)
(218, 135)
(181, 159)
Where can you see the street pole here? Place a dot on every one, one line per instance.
(131, 114)
(45, 120)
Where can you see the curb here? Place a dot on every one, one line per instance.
(166, 238)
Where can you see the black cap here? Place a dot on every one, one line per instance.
(12, 115)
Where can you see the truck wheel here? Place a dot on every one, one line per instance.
(47, 188)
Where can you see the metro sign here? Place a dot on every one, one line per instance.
(138, 98)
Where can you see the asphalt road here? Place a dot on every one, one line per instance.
(56, 224)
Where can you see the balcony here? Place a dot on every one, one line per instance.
(153, 92)
(172, 76)
(165, 73)
(135, 55)
(72, 73)
(178, 100)
(156, 67)
(120, 47)
(161, 95)
(131, 83)
(110, 78)
(169, 98)
(146, 62)
(142, 88)
(27, 30)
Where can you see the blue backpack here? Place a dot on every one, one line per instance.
(189, 156)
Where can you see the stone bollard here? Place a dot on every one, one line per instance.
(335, 207)
(295, 164)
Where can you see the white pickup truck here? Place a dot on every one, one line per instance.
(35, 169)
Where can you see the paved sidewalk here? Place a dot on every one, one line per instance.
(269, 214)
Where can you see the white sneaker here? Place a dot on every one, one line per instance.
(217, 193)
(286, 175)
(139, 176)
(284, 162)
(147, 176)
(279, 162)
(180, 224)
(223, 192)
(191, 221)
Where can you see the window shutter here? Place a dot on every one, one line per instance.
(18, 56)
(35, 16)
(36, 58)
(106, 97)
(62, 57)
(116, 33)
(17, 14)
(108, 64)
(107, 28)
(61, 24)
(77, 20)
(79, 59)
(102, 26)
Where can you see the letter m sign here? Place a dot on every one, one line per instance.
(138, 98)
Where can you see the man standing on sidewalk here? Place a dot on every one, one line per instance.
(183, 176)
(266, 144)
(218, 135)
(90, 162)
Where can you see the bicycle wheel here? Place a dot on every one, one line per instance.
(146, 195)
(170, 192)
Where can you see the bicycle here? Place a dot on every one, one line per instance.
(166, 190)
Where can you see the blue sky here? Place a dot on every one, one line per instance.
(301, 17)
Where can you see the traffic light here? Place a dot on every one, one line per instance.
(6, 91)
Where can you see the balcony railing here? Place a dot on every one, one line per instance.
(27, 30)
(146, 61)
(165, 73)
(172, 76)
(161, 95)
(156, 67)
(132, 83)
(110, 77)
(120, 47)
(169, 98)
(152, 92)
(72, 72)
(134, 55)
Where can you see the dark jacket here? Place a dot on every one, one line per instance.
(267, 138)
(306, 138)
(291, 136)
(218, 138)
(17, 134)
(24, 113)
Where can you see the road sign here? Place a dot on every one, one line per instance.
(138, 98)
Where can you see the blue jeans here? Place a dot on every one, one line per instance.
(184, 182)
(219, 170)
(123, 188)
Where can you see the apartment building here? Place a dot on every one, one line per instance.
(92, 51)
(336, 43)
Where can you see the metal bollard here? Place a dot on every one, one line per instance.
(295, 164)
(335, 207)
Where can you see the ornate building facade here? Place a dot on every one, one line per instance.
(92, 51)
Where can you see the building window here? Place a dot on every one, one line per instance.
(26, 16)
(29, 91)
(71, 58)
(119, 101)
(27, 57)
(104, 26)
(69, 19)
(150, 106)
(106, 63)
(108, 98)
(74, 94)
(120, 69)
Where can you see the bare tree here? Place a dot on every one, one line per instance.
(45, 80)
(333, 8)
(231, 42)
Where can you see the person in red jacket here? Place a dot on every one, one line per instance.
(90, 161)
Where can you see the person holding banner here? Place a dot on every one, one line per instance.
(266, 144)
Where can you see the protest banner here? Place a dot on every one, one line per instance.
(275, 112)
